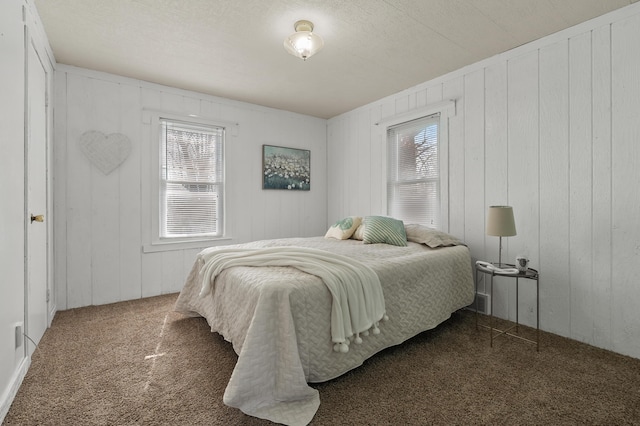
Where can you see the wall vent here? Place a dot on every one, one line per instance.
(483, 303)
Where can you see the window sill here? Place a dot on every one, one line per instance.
(182, 245)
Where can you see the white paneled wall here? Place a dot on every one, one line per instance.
(102, 221)
(553, 129)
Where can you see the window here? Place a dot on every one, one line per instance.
(413, 172)
(191, 189)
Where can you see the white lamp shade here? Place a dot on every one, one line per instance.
(500, 222)
(304, 43)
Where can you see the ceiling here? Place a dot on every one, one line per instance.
(234, 48)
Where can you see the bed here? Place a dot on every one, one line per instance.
(278, 318)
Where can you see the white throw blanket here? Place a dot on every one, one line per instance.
(358, 301)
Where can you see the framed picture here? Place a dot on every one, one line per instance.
(286, 168)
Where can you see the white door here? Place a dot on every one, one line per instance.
(36, 292)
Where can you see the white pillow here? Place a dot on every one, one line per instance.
(359, 234)
(343, 229)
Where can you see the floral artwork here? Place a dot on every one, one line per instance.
(286, 168)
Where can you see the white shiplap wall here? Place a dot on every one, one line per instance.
(14, 361)
(551, 128)
(102, 222)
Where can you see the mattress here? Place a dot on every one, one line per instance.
(278, 318)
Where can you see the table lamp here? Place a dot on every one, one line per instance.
(500, 223)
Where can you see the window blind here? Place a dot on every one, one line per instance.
(413, 172)
(192, 180)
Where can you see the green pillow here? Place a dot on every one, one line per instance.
(381, 229)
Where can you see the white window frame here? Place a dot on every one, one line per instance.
(405, 197)
(153, 242)
(446, 109)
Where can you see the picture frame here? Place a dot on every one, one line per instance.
(286, 168)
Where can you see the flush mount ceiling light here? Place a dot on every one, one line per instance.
(304, 43)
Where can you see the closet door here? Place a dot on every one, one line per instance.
(37, 218)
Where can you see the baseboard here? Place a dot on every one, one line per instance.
(16, 380)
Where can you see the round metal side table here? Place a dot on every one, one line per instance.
(529, 274)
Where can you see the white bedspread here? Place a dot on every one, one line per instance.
(278, 318)
(358, 301)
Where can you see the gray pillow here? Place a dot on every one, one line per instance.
(431, 237)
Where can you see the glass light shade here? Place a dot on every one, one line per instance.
(304, 43)
(500, 222)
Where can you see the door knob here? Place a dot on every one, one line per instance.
(38, 218)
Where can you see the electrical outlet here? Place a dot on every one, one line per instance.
(19, 334)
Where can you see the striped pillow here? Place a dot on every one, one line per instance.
(380, 229)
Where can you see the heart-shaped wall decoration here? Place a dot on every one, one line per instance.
(105, 152)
